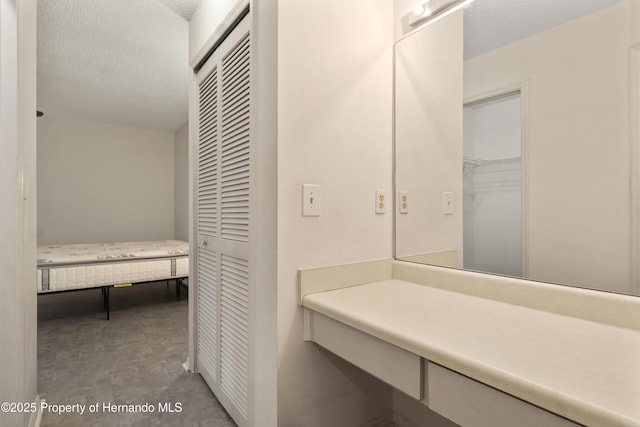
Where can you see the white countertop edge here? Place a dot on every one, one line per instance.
(537, 394)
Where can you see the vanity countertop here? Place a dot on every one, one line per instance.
(581, 369)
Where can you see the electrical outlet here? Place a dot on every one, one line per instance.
(310, 200)
(403, 202)
(381, 202)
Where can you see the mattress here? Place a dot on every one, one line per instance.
(67, 267)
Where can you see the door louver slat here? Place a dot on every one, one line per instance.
(207, 156)
(235, 152)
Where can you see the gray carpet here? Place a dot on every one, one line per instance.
(134, 358)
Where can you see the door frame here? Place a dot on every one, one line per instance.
(18, 187)
(523, 89)
(634, 151)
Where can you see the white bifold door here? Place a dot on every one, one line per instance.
(222, 205)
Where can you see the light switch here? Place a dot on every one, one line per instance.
(403, 201)
(447, 203)
(310, 200)
(381, 202)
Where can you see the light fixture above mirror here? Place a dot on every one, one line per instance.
(423, 12)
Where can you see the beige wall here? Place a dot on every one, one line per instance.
(335, 130)
(181, 184)
(577, 151)
(103, 183)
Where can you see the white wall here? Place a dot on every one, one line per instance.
(18, 354)
(578, 144)
(181, 184)
(335, 130)
(102, 183)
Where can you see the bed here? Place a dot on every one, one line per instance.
(63, 268)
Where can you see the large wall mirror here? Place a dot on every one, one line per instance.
(516, 126)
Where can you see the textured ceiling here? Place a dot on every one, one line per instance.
(490, 24)
(115, 61)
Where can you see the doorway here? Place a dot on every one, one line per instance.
(492, 185)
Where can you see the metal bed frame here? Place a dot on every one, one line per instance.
(180, 281)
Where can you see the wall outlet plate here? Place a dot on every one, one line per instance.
(447, 203)
(381, 201)
(310, 200)
(403, 202)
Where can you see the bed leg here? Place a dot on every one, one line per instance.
(107, 301)
(177, 288)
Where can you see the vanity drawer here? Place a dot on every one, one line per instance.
(470, 403)
(387, 362)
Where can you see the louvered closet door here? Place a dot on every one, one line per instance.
(222, 221)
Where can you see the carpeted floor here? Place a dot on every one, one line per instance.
(134, 358)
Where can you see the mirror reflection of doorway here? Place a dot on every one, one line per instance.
(492, 184)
